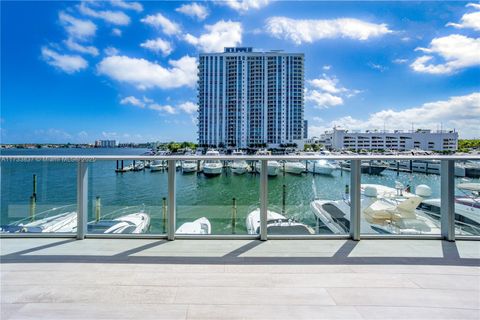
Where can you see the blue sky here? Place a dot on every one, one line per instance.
(81, 71)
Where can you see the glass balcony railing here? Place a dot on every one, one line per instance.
(262, 197)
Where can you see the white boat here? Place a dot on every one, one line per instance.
(157, 165)
(467, 208)
(212, 167)
(383, 210)
(321, 166)
(199, 226)
(189, 166)
(272, 166)
(139, 166)
(276, 224)
(138, 222)
(47, 221)
(293, 167)
(239, 166)
(125, 169)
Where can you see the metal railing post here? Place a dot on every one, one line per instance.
(171, 200)
(447, 208)
(263, 200)
(355, 181)
(82, 199)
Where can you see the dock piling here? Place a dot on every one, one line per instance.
(164, 214)
(234, 215)
(97, 208)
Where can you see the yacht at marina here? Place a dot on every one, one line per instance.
(320, 166)
(293, 167)
(239, 166)
(272, 166)
(157, 165)
(138, 222)
(467, 208)
(189, 166)
(276, 224)
(61, 219)
(199, 226)
(66, 222)
(212, 167)
(383, 210)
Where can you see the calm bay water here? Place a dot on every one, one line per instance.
(197, 195)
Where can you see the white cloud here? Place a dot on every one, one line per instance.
(469, 20)
(113, 17)
(400, 61)
(67, 63)
(325, 92)
(161, 22)
(219, 35)
(116, 32)
(308, 31)
(144, 74)
(166, 108)
(75, 46)
(323, 100)
(245, 5)
(457, 51)
(158, 45)
(110, 51)
(194, 10)
(133, 101)
(327, 84)
(455, 112)
(326, 67)
(77, 28)
(188, 107)
(377, 66)
(136, 6)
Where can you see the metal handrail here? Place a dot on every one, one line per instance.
(71, 158)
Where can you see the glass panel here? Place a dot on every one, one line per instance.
(309, 197)
(467, 198)
(38, 196)
(394, 197)
(216, 197)
(128, 197)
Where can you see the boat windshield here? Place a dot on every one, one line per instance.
(337, 215)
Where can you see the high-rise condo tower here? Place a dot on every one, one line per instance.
(250, 99)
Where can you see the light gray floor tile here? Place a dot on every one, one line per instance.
(212, 312)
(403, 297)
(251, 296)
(417, 313)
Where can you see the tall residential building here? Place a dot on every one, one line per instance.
(250, 99)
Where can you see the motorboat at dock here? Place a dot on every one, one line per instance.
(199, 226)
(277, 224)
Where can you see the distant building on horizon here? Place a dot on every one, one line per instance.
(106, 143)
(441, 140)
(250, 99)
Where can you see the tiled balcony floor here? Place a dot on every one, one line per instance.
(239, 279)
